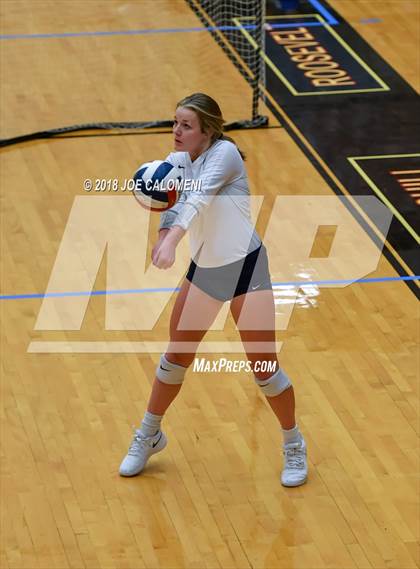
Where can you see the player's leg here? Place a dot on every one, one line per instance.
(254, 314)
(193, 314)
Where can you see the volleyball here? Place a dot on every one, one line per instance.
(157, 185)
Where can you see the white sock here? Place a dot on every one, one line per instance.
(150, 424)
(292, 436)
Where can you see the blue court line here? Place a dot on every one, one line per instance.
(370, 21)
(324, 12)
(120, 32)
(86, 293)
(315, 3)
(150, 31)
(169, 289)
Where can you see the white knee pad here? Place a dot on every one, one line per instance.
(275, 384)
(166, 372)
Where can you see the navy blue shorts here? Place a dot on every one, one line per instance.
(249, 274)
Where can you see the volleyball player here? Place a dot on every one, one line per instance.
(229, 263)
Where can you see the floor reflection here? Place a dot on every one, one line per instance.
(302, 295)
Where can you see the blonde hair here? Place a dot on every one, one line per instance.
(209, 115)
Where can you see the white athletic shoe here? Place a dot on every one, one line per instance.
(295, 469)
(141, 449)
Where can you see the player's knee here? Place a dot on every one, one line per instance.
(170, 373)
(275, 384)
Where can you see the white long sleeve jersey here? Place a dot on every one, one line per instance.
(217, 216)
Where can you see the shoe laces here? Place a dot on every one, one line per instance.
(294, 455)
(139, 443)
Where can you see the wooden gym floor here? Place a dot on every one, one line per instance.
(213, 498)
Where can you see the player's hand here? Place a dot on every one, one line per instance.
(162, 235)
(163, 256)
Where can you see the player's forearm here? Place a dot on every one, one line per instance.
(175, 234)
(162, 233)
